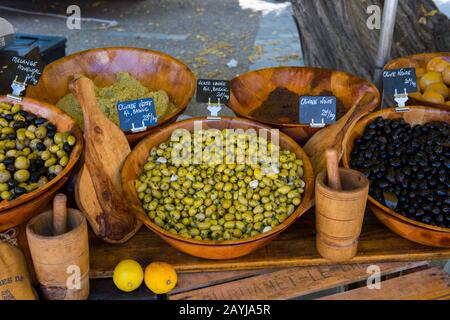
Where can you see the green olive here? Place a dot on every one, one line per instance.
(22, 175)
(5, 176)
(22, 163)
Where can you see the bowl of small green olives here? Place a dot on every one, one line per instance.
(406, 157)
(216, 205)
(39, 147)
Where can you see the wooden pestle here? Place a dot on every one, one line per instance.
(59, 214)
(334, 178)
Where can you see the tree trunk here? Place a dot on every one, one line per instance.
(335, 35)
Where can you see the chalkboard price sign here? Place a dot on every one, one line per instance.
(399, 81)
(213, 91)
(318, 111)
(137, 115)
(26, 70)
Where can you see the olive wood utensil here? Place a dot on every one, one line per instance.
(98, 189)
(59, 214)
(334, 136)
(334, 178)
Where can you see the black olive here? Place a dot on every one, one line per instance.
(67, 147)
(39, 121)
(51, 176)
(51, 127)
(30, 118)
(19, 124)
(11, 168)
(9, 160)
(40, 146)
(51, 134)
(34, 177)
(9, 117)
(18, 191)
(12, 184)
(11, 136)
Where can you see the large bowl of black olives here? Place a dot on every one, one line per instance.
(39, 147)
(406, 157)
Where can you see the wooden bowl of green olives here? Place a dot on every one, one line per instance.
(216, 209)
(39, 147)
(407, 159)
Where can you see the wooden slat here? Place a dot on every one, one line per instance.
(294, 248)
(290, 283)
(430, 284)
(192, 281)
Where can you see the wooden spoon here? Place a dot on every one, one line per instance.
(59, 214)
(334, 136)
(98, 189)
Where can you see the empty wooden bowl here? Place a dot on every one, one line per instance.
(418, 61)
(407, 228)
(153, 69)
(133, 168)
(249, 91)
(17, 211)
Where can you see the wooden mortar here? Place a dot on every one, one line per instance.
(58, 241)
(341, 197)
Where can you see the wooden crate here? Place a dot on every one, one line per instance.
(399, 281)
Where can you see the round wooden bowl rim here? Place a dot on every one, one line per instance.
(301, 209)
(168, 117)
(387, 210)
(74, 155)
(50, 238)
(376, 102)
(421, 56)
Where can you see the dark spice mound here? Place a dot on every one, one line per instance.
(280, 107)
(408, 168)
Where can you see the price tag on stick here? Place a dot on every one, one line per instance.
(318, 111)
(213, 92)
(23, 71)
(137, 115)
(398, 83)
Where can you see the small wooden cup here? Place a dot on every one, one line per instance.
(61, 262)
(340, 214)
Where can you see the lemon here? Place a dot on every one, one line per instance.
(430, 78)
(437, 64)
(128, 275)
(446, 76)
(440, 88)
(433, 97)
(160, 277)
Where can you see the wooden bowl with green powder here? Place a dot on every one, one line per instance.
(120, 74)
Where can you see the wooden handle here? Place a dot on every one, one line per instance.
(84, 91)
(59, 214)
(334, 179)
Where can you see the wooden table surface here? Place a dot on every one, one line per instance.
(294, 248)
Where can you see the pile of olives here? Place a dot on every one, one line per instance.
(216, 201)
(32, 152)
(408, 167)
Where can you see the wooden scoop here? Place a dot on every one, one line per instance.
(98, 189)
(334, 136)
(59, 214)
(334, 178)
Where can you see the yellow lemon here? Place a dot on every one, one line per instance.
(160, 277)
(433, 97)
(446, 76)
(437, 64)
(430, 78)
(128, 275)
(440, 88)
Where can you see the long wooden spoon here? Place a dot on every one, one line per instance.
(98, 189)
(334, 136)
